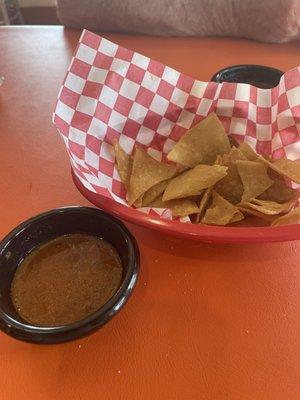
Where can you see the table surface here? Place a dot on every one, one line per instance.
(211, 322)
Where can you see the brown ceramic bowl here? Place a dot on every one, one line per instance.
(49, 225)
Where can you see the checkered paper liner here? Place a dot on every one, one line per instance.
(112, 93)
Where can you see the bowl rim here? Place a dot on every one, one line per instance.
(109, 309)
(274, 72)
(203, 233)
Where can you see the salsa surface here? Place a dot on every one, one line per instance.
(66, 279)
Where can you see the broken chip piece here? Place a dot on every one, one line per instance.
(269, 207)
(221, 212)
(254, 177)
(293, 217)
(252, 212)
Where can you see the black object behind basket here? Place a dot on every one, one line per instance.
(257, 75)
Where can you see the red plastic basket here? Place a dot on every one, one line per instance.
(202, 233)
(111, 93)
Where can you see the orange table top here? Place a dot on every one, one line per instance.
(211, 322)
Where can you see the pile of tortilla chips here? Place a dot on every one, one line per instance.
(211, 180)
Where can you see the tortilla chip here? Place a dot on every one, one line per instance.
(146, 172)
(279, 191)
(269, 207)
(195, 198)
(138, 203)
(231, 187)
(193, 181)
(124, 164)
(237, 217)
(248, 152)
(268, 158)
(154, 192)
(178, 207)
(221, 212)
(218, 160)
(182, 207)
(254, 177)
(201, 144)
(234, 155)
(205, 199)
(293, 217)
(250, 221)
(286, 167)
(157, 203)
(250, 211)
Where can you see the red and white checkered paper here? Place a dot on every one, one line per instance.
(112, 93)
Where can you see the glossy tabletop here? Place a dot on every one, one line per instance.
(211, 322)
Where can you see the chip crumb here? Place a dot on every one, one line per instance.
(247, 331)
(79, 346)
(156, 260)
(119, 371)
(191, 289)
(145, 283)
